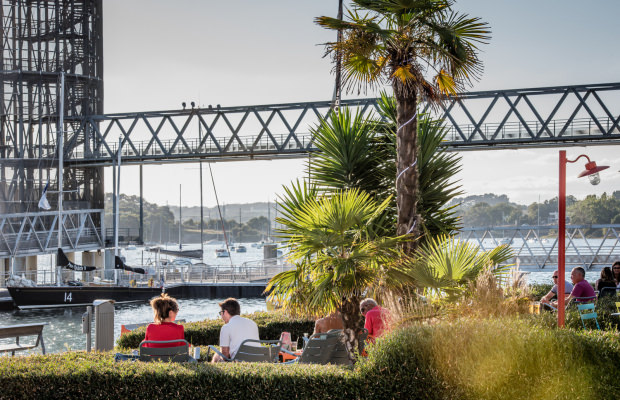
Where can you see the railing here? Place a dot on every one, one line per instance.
(513, 117)
(36, 233)
(248, 272)
(536, 247)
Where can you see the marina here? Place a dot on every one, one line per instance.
(244, 276)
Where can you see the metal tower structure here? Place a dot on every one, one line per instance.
(40, 39)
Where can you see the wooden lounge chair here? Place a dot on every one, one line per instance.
(174, 354)
(324, 348)
(267, 351)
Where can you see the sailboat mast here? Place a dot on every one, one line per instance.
(61, 146)
(180, 219)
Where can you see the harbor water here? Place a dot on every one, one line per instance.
(64, 329)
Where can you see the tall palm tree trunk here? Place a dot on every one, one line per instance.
(352, 324)
(408, 183)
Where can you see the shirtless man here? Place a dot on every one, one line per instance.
(332, 321)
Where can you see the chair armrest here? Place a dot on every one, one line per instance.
(288, 352)
(218, 352)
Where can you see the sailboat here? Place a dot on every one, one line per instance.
(180, 252)
(80, 293)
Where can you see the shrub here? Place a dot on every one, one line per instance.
(493, 359)
(503, 358)
(270, 326)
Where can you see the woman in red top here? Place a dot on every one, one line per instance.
(165, 311)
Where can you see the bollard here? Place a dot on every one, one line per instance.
(87, 317)
(104, 325)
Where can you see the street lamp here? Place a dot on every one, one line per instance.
(591, 172)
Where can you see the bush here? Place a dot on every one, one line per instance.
(494, 359)
(503, 358)
(203, 333)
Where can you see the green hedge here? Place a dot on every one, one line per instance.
(466, 359)
(270, 326)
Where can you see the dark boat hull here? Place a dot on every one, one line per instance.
(68, 296)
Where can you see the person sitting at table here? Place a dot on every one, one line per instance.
(616, 270)
(377, 318)
(606, 281)
(582, 290)
(332, 321)
(165, 311)
(236, 329)
(568, 288)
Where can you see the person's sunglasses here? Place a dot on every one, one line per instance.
(221, 313)
(555, 277)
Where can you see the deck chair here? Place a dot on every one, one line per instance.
(324, 348)
(586, 311)
(267, 351)
(607, 291)
(174, 354)
(617, 314)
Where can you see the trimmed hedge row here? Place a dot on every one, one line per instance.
(466, 359)
(270, 326)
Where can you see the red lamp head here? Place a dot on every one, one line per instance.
(592, 171)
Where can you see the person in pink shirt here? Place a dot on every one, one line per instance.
(582, 290)
(376, 318)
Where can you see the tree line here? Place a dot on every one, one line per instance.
(494, 210)
(160, 225)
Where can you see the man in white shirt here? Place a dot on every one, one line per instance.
(236, 329)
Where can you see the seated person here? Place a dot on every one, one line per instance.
(582, 290)
(165, 311)
(606, 281)
(568, 288)
(332, 321)
(236, 329)
(376, 317)
(616, 270)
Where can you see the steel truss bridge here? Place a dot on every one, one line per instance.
(536, 247)
(535, 117)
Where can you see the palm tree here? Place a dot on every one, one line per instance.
(445, 265)
(360, 153)
(338, 256)
(425, 50)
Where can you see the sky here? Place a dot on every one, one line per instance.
(158, 54)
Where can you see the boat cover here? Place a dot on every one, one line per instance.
(63, 261)
(119, 264)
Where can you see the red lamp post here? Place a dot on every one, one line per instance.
(591, 172)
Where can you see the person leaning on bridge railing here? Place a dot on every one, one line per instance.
(568, 288)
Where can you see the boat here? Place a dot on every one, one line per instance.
(222, 252)
(77, 293)
(177, 253)
(241, 249)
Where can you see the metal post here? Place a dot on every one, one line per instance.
(180, 219)
(202, 244)
(61, 151)
(118, 195)
(561, 237)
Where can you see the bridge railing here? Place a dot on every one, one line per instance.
(536, 247)
(514, 117)
(36, 233)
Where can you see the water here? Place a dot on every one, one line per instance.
(64, 330)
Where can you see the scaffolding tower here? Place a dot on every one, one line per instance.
(40, 39)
